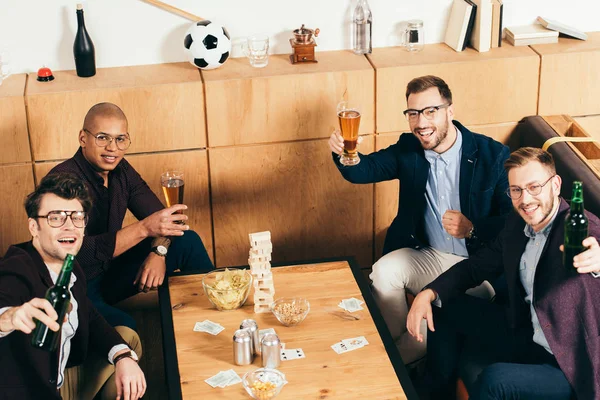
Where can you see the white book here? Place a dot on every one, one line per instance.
(481, 39)
(530, 41)
(458, 23)
(529, 32)
(562, 28)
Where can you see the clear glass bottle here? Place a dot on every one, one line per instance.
(362, 21)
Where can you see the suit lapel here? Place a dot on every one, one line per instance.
(468, 160)
(516, 241)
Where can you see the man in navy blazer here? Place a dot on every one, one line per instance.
(546, 341)
(452, 185)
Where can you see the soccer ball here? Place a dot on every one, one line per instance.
(207, 44)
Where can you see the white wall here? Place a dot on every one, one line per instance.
(132, 32)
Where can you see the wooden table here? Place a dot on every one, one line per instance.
(375, 371)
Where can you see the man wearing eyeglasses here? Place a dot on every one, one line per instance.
(451, 200)
(92, 357)
(120, 261)
(545, 343)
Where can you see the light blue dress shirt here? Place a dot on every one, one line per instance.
(442, 194)
(527, 268)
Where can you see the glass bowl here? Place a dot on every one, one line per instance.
(290, 311)
(263, 383)
(227, 289)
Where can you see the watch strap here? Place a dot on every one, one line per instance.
(121, 356)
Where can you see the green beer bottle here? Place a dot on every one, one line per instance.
(58, 295)
(576, 227)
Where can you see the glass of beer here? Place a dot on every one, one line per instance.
(173, 185)
(349, 117)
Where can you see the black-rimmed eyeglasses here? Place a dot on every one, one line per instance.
(430, 112)
(535, 188)
(57, 218)
(104, 139)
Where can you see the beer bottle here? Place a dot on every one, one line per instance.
(83, 48)
(59, 296)
(576, 227)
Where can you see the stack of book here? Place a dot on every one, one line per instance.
(477, 23)
(530, 34)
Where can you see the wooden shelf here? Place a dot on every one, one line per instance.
(493, 87)
(13, 122)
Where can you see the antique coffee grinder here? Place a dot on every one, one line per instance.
(303, 45)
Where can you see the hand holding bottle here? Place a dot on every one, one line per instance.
(22, 318)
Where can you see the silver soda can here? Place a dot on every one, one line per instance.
(271, 351)
(252, 327)
(242, 347)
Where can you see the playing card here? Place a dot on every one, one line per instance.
(232, 378)
(351, 304)
(218, 380)
(292, 354)
(209, 327)
(355, 343)
(339, 347)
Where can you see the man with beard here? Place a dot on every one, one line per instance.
(544, 342)
(452, 199)
(120, 261)
(93, 359)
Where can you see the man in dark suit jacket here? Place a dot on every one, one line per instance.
(546, 341)
(452, 185)
(82, 366)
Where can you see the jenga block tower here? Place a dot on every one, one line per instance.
(259, 261)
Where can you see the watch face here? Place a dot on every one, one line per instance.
(162, 250)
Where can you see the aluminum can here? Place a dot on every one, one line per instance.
(242, 347)
(271, 351)
(252, 327)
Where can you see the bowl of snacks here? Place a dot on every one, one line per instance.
(263, 383)
(290, 311)
(227, 289)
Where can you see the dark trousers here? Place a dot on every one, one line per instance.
(186, 253)
(521, 369)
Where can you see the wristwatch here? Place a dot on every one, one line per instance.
(471, 234)
(127, 354)
(160, 250)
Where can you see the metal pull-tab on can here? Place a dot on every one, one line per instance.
(252, 327)
(242, 347)
(271, 351)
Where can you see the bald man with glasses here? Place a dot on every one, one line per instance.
(452, 185)
(120, 261)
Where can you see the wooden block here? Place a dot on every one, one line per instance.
(17, 182)
(291, 196)
(193, 163)
(259, 237)
(264, 282)
(164, 104)
(285, 102)
(497, 86)
(13, 122)
(261, 251)
(262, 308)
(569, 81)
(260, 259)
(260, 266)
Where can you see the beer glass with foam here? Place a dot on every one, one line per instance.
(173, 185)
(349, 117)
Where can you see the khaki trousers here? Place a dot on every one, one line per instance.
(95, 377)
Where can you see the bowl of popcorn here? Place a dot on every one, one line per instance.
(263, 383)
(227, 289)
(290, 311)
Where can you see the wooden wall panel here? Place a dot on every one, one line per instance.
(17, 182)
(295, 191)
(13, 123)
(386, 193)
(569, 80)
(591, 124)
(164, 104)
(498, 86)
(193, 163)
(284, 102)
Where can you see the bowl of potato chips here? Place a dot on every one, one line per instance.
(227, 289)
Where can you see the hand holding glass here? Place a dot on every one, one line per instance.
(173, 185)
(349, 117)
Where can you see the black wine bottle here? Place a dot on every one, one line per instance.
(83, 48)
(59, 297)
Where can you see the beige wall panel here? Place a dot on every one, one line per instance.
(41, 169)
(591, 124)
(17, 182)
(569, 80)
(13, 122)
(386, 193)
(295, 191)
(164, 105)
(194, 164)
(498, 86)
(284, 102)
